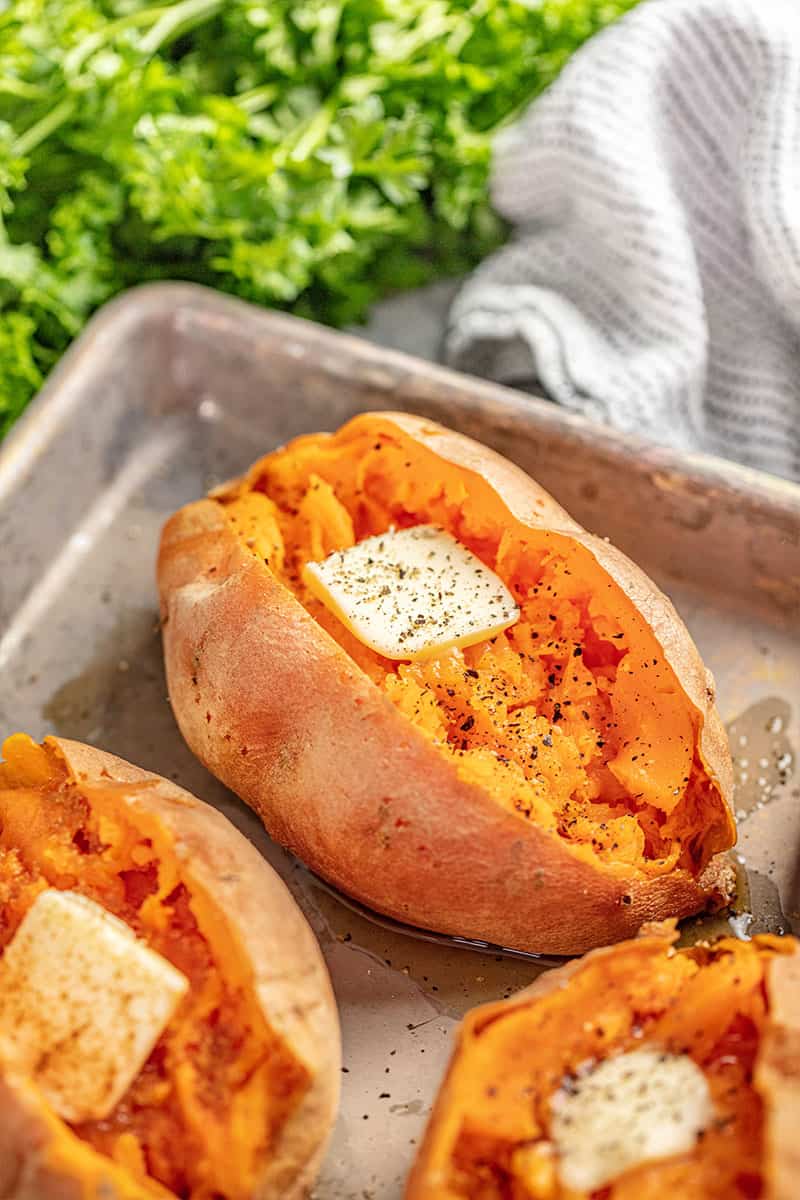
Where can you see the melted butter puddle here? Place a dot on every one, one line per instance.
(763, 757)
(763, 762)
(452, 981)
(756, 909)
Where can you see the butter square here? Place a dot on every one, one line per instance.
(413, 592)
(82, 1003)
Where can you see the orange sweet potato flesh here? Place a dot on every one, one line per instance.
(712, 1003)
(590, 722)
(572, 718)
(212, 1100)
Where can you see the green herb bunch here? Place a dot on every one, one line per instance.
(311, 154)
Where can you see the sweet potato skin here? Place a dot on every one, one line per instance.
(40, 1158)
(776, 1077)
(277, 710)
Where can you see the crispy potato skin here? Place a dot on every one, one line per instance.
(777, 1072)
(41, 1159)
(271, 704)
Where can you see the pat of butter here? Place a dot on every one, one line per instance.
(630, 1109)
(412, 592)
(82, 1003)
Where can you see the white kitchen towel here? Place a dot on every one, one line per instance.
(653, 276)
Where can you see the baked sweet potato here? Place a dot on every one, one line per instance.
(731, 1010)
(237, 1099)
(551, 788)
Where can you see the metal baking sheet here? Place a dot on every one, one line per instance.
(173, 389)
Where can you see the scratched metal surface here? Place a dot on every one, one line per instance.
(173, 389)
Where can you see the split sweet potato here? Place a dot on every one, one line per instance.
(732, 1008)
(550, 788)
(237, 1098)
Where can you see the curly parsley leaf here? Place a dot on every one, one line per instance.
(310, 154)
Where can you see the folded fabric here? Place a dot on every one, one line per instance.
(653, 276)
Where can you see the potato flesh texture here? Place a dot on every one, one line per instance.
(489, 1141)
(218, 1084)
(571, 718)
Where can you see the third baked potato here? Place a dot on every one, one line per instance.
(635, 1073)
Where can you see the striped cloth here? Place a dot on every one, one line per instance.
(653, 279)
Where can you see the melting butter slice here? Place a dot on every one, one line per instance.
(412, 592)
(631, 1109)
(82, 1003)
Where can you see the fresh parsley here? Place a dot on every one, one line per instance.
(310, 154)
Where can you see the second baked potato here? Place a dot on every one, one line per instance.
(167, 1027)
